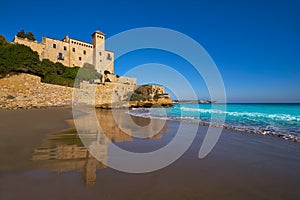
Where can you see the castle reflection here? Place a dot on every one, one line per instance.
(68, 151)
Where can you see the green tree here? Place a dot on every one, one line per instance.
(88, 73)
(70, 72)
(30, 36)
(60, 68)
(50, 67)
(3, 41)
(21, 34)
(19, 58)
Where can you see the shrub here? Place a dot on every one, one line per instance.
(58, 80)
(137, 97)
(70, 72)
(138, 91)
(3, 41)
(29, 35)
(21, 34)
(88, 72)
(19, 58)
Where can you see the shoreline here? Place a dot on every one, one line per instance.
(261, 131)
(240, 166)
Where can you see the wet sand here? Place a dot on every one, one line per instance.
(241, 165)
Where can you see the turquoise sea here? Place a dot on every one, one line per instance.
(277, 119)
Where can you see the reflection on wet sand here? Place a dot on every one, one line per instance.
(64, 151)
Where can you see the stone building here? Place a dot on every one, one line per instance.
(112, 90)
(72, 52)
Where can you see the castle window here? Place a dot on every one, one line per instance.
(84, 52)
(54, 46)
(65, 48)
(109, 57)
(79, 58)
(60, 56)
(73, 49)
(100, 53)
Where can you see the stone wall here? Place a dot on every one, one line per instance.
(120, 79)
(27, 91)
(106, 95)
(117, 95)
(79, 52)
(34, 45)
(52, 53)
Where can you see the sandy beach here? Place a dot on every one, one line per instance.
(241, 165)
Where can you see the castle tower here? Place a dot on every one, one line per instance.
(98, 39)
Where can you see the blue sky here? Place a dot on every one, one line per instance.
(255, 44)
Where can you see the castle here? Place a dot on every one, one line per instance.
(72, 52)
(111, 90)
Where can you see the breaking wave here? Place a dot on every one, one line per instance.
(277, 117)
(285, 125)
